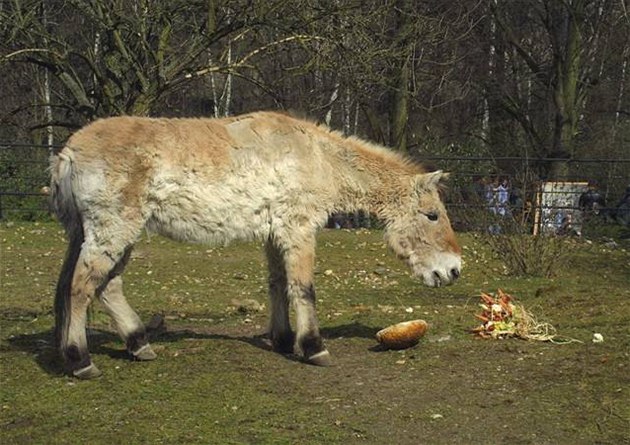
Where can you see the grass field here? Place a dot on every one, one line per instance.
(217, 382)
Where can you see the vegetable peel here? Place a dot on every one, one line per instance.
(502, 317)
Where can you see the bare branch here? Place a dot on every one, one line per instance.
(232, 67)
(533, 65)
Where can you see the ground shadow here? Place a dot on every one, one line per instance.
(350, 330)
(41, 345)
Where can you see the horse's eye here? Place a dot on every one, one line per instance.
(432, 216)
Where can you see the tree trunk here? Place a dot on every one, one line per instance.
(567, 100)
(402, 46)
(495, 118)
(400, 109)
(50, 134)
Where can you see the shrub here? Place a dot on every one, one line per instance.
(526, 254)
(510, 238)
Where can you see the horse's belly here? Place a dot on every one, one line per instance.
(210, 214)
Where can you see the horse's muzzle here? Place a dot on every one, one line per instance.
(442, 277)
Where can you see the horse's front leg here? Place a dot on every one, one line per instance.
(299, 263)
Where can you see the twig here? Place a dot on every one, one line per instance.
(240, 63)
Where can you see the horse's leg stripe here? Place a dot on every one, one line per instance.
(308, 293)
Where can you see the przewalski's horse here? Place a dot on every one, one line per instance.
(262, 175)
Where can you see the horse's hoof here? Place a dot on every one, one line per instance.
(87, 373)
(144, 354)
(320, 359)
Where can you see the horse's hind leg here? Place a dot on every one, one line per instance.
(90, 275)
(127, 322)
(97, 263)
(282, 337)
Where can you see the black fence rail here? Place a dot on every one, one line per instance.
(480, 188)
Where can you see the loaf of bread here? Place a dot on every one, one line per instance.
(402, 335)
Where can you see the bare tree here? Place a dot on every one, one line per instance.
(556, 53)
(121, 57)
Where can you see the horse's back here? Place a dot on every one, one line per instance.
(118, 140)
(213, 143)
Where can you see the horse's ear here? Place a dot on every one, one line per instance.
(425, 181)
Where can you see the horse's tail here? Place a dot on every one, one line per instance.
(63, 203)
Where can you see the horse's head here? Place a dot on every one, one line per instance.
(419, 231)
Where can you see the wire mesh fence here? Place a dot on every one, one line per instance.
(482, 191)
(490, 192)
(23, 176)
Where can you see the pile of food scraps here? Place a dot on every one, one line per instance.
(502, 317)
